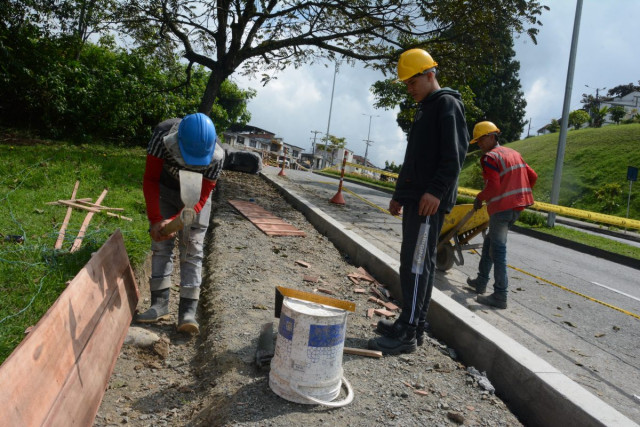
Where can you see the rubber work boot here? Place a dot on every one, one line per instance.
(385, 327)
(403, 340)
(493, 300)
(475, 285)
(159, 309)
(420, 330)
(187, 316)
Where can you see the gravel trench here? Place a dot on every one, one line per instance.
(212, 379)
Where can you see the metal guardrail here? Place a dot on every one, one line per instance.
(572, 212)
(541, 206)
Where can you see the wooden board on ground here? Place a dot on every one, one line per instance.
(270, 224)
(59, 372)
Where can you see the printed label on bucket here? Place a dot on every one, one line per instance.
(285, 328)
(325, 335)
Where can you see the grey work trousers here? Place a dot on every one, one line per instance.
(191, 251)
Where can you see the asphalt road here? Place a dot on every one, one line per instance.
(578, 312)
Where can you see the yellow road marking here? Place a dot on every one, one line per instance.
(564, 288)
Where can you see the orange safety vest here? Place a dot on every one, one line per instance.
(515, 188)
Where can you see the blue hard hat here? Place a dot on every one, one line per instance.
(197, 139)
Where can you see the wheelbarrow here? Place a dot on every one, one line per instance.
(460, 225)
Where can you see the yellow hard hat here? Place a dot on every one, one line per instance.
(412, 62)
(484, 128)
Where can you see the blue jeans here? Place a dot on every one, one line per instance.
(494, 252)
(191, 252)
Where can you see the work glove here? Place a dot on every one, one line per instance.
(477, 204)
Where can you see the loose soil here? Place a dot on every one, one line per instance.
(212, 379)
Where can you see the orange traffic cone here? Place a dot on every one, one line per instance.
(284, 157)
(338, 199)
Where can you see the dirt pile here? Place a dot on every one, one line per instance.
(212, 379)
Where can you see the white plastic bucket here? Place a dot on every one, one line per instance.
(307, 363)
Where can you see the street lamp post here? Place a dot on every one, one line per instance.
(368, 140)
(557, 173)
(326, 142)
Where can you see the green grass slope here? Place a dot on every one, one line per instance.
(33, 173)
(594, 174)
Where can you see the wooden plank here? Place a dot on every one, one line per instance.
(72, 340)
(85, 224)
(65, 222)
(85, 382)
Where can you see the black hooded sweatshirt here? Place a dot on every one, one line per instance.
(436, 148)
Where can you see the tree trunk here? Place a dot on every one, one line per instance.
(210, 92)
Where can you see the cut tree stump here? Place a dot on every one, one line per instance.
(58, 374)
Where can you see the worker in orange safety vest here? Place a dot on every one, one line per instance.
(509, 181)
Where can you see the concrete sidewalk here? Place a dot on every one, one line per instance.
(535, 391)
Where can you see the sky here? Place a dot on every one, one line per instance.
(299, 101)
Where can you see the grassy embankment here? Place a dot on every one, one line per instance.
(32, 273)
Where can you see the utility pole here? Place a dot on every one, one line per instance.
(597, 103)
(313, 147)
(562, 140)
(368, 141)
(529, 129)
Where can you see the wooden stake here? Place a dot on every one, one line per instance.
(85, 224)
(67, 217)
(362, 352)
(119, 216)
(79, 206)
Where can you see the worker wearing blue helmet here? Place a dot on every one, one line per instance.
(178, 144)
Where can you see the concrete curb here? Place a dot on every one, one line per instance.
(535, 391)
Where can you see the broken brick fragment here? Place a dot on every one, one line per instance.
(391, 306)
(383, 312)
(353, 279)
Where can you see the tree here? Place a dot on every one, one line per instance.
(622, 90)
(271, 35)
(617, 112)
(498, 93)
(332, 145)
(577, 118)
(392, 167)
(554, 126)
(477, 60)
(597, 116)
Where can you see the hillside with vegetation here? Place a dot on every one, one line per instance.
(594, 174)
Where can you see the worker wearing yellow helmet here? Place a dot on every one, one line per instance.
(509, 181)
(425, 192)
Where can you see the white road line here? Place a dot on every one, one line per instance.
(615, 290)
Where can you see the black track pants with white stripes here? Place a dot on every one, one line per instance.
(418, 262)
